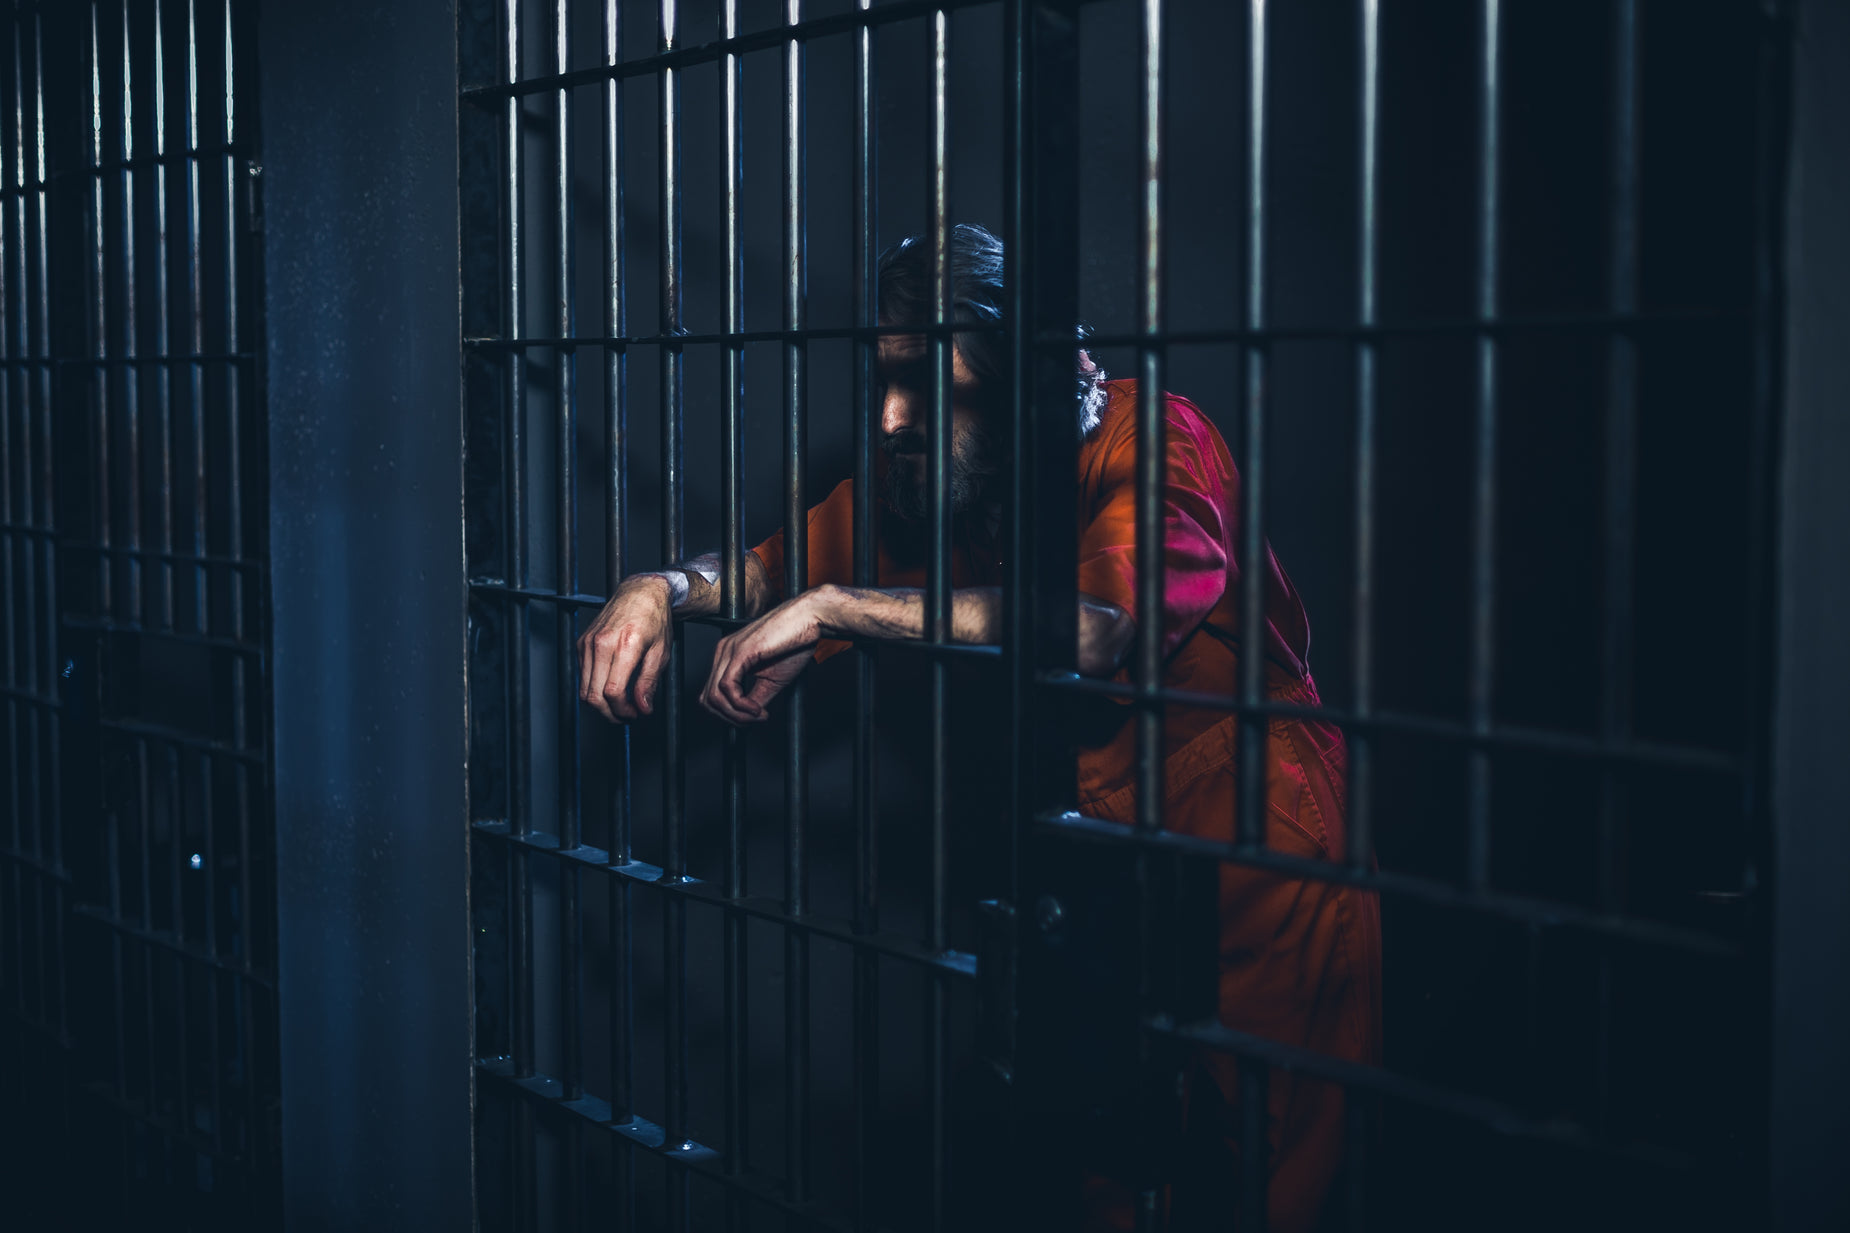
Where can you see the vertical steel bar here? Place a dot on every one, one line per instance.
(520, 917)
(674, 822)
(1253, 557)
(1254, 1077)
(1620, 520)
(246, 710)
(13, 527)
(1150, 469)
(99, 326)
(49, 651)
(732, 605)
(1482, 673)
(195, 376)
(129, 342)
(31, 545)
(616, 560)
(1767, 302)
(942, 351)
(163, 333)
(796, 567)
(1149, 538)
(192, 372)
(1621, 432)
(571, 977)
(151, 1096)
(1360, 849)
(1359, 852)
(571, 822)
(234, 426)
(866, 993)
(211, 972)
(177, 863)
(245, 937)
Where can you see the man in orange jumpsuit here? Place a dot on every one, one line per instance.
(1299, 959)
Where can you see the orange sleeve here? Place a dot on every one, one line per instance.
(1197, 522)
(831, 545)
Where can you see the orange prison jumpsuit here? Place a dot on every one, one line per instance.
(1300, 960)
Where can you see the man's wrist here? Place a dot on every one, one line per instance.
(673, 580)
(825, 609)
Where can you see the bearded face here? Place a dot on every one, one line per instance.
(977, 449)
(976, 459)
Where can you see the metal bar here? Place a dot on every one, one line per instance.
(521, 1162)
(1475, 1109)
(938, 607)
(163, 333)
(15, 655)
(1482, 667)
(735, 1141)
(209, 867)
(249, 713)
(696, 890)
(1592, 321)
(770, 38)
(204, 150)
(191, 374)
(733, 338)
(50, 652)
(866, 991)
(616, 559)
(176, 864)
(1150, 496)
(796, 578)
(1148, 666)
(571, 821)
(1360, 796)
(234, 425)
(674, 821)
(182, 638)
(1773, 152)
(98, 324)
(1620, 512)
(1502, 736)
(144, 860)
(1359, 839)
(230, 565)
(171, 359)
(1518, 908)
(23, 779)
(542, 1091)
(200, 580)
(1253, 556)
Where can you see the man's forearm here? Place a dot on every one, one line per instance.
(1104, 630)
(694, 586)
(899, 612)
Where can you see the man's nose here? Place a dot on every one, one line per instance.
(898, 412)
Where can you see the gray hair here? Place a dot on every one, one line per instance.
(977, 298)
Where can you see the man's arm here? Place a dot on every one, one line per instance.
(701, 594)
(620, 654)
(752, 665)
(1105, 630)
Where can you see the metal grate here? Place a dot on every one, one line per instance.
(605, 900)
(136, 604)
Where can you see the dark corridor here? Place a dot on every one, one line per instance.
(351, 357)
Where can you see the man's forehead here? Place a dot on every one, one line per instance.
(901, 348)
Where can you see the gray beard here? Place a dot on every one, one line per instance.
(973, 468)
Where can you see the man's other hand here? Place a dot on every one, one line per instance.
(620, 656)
(753, 664)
